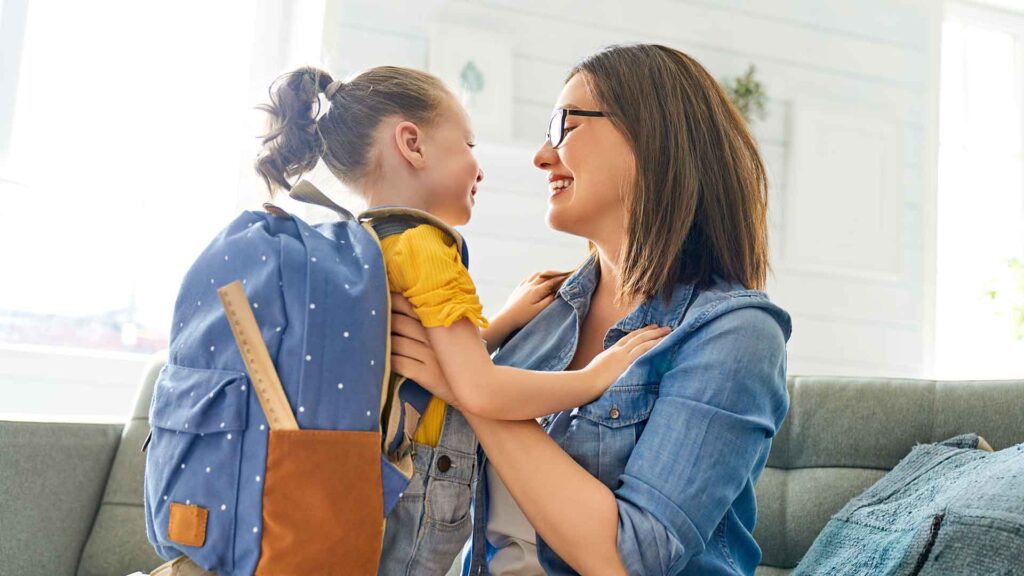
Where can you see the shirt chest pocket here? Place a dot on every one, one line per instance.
(622, 406)
(607, 429)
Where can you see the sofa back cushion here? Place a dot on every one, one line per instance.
(840, 436)
(51, 477)
(118, 542)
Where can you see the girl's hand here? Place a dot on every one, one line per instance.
(530, 297)
(411, 354)
(607, 366)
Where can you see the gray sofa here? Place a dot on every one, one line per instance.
(71, 494)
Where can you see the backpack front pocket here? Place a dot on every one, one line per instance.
(323, 512)
(197, 417)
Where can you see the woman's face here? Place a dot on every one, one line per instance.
(590, 173)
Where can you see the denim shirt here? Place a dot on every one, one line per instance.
(680, 438)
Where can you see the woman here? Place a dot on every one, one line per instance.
(648, 160)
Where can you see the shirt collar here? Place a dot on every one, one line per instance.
(578, 289)
(654, 310)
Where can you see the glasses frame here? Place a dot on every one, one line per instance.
(562, 114)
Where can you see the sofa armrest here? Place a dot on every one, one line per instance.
(52, 476)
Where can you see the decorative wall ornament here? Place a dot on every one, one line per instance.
(748, 94)
(477, 66)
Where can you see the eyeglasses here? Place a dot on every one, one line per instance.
(556, 126)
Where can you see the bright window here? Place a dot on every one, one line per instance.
(131, 123)
(980, 243)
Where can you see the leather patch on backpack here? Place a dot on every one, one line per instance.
(187, 524)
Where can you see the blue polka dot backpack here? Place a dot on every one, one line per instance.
(239, 484)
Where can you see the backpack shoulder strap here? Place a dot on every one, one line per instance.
(306, 191)
(391, 220)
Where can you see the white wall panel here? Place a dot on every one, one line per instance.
(846, 204)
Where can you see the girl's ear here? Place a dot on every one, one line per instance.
(409, 139)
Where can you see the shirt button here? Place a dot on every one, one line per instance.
(614, 412)
(444, 463)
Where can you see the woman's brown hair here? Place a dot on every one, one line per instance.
(296, 139)
(699, 202)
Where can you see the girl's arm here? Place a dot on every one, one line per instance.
(500, 392)
(531, 296)
(506, 393)
(430, 275)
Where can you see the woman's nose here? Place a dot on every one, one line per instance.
(545, 156)
(479, 174)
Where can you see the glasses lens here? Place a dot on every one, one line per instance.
(555, 129)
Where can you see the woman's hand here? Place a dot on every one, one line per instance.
(411, 354)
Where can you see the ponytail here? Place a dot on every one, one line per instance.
(292, 144)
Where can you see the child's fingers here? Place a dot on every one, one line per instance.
(547, 282)
(553, 280)
(643, 348)
(645, 333)
(543, 290)
(531, 278)
(409, 348)
(548, 285)
(651, 335)
(404, 326)
(553, 273)
(402, 305)
(545, 300)
(408, 367)
(540, 278)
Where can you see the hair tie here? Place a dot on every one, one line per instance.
(332, 88)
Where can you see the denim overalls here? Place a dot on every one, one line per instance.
(431, 522)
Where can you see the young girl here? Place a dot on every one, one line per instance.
(399, 138)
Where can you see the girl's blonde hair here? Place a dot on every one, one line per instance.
(297, 136)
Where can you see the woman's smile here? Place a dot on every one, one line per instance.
(558, 184)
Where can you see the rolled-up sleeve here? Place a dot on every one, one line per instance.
(719, 404)
(426, 267)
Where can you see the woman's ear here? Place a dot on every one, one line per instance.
(409, 139)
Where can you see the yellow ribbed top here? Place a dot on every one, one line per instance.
(425, 266)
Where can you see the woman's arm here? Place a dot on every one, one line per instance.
(716, 412)
(573, 511)
(523, 456)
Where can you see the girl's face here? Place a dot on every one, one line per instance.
(452, 173)
(590, 172)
